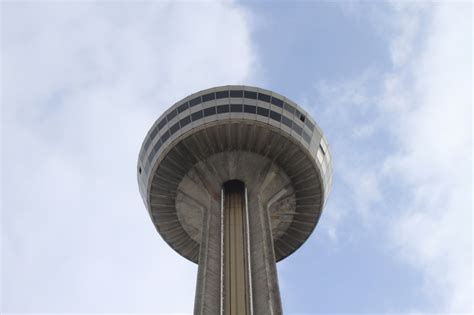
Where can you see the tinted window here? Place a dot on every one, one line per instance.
(153, 134)
(309, 124)
(250, 109)
(186, 120)
(162, 123)
(289, 108)
(297, 113)
(195, 101)
(157, 146)
(208, 97)
(222, 109)
(252, 95)
(236, 93)
(275, 116)
(277, 102)
(264, 97)
(174, 128)
(285, 120)
(171, 115)
(209, 111)
(222, 94)
(236, 108)
(197, 115)
(182, 107)
(165, 136)
(262, 111)
(147, 143)
(297, 128)
(306, 137)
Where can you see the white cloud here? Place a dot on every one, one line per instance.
(423, 106)
(434, 233)
(81, 85)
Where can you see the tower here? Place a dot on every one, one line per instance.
(235, 179)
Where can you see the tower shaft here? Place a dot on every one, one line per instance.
(237, 271)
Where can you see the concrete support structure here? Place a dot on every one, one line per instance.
(235, 179)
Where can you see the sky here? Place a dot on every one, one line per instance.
(390, 84)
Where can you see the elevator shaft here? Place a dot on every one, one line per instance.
(236, 287)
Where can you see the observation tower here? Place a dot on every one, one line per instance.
(235, 178)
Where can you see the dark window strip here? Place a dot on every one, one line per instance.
(208, 97)
(174, 128)
(209, 111)
(236, 108)
(286, 121)
(222, 109)
(183, 107)
(196, 116)
(297, 128)
(250, 109)
(171, 115)
(289, 108)
(195, 101)
(275, 116)
(185, 121)
(147, 143)
(277, 102)
(156, 147)
(262, 111)
(162, 123)
(309, 124)
(264, 97)
(165, 136)
(250, 94)
(234, 93)
(153, 135)
(306, 136)
(222, 94)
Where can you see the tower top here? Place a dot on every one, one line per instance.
(234, 132)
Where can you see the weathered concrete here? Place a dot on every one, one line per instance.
(235, 132)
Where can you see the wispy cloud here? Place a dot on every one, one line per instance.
(81, 85)
(414, 123)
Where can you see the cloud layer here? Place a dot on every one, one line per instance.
(82, 83)
(414, 122)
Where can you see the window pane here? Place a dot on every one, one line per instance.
(174, 128)
(289, 108)
(197, 115)
(183, 107)
(262, 111)
(275, 116)
(236, 93)
(236, 108)
(277, 102)
(222, 109)
(209, 111)
(208, 97)
(171, 115)
(249, 94)
(186, 120)
(222, 94)
(285, 120)
(250, 109)
(195, 101)
(264, 97)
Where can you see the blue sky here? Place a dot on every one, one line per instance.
(389, 83)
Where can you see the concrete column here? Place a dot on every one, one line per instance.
(259, 280)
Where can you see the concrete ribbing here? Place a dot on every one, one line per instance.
(235, 133)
